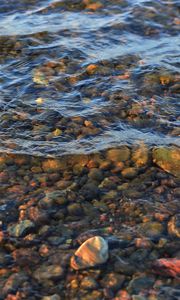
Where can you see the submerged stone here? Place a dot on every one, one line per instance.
(21, 229)
(152, 229)
(120, 154)
(45, 272)
(168, 159)
(174, 226)
(92, 252)
(167, 267)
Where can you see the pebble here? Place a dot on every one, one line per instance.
(121, 154)
(95, 174)
(152, 229)
(88, 283)
(140, 283)
(129, 173)
(174, 226)
(52, 297)
(167, 267)
(21, 229)
(75, 209)
(140, 155)
(92, 252)
(45, 272)
(113, 281)
(168, 159)
(13, 282)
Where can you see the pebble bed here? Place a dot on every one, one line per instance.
(124, 200)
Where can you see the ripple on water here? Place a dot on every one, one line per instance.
(108, 72)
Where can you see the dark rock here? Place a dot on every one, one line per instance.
(21, 229)
(46, 272)
(95, 174)
(75, 209)
(13, 282)
(137, 284)
(88, 283)
(113, 281)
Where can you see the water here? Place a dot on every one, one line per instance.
(89, 145)
(132, 94)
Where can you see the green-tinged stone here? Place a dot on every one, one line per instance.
(21, 228)
(152, 229)
(168, 159)
(140, 283)
(140, 155)
(120, 154)
(88, 283)
(48, 272)
(129, 173)
(52, 297)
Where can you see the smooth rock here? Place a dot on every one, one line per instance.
(120, 154)
(21, 229)
(140, 155)
(140, 283)
(45, 272)
(168, 159)
(174, 226)
(151, 229)
(75, 209)
(95, 174)
(92, 252)
(13, 282)
(167, 267)
(88, 283)
(129, 173)
(52, 297)
(113, 281)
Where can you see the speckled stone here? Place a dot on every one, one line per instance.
(120, 154)
(48, 272)
(20, 229)
(174, 226)
(92, 252)
(168, 159)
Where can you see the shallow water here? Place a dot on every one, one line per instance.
(89, 145)
(132, 93)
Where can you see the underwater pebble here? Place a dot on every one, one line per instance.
(168, 159)
(21, 229)
(174, 226)
(92, 252)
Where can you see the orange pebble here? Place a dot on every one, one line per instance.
(91, 69)
(94, 6)
(123, 295)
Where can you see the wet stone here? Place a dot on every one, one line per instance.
(52, 297)
(92, 252)
(75, 209)
(95, 174)
(13, 282)
(90, 190)
(152, 229)
(124, 267)
(21, 229)
(88, 283)
(174, 226)
(46, 272)
(117, 155)
(137, 284)
(168, 159)
(113, 281)
(129, 173)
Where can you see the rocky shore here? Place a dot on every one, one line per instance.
(99, 226)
